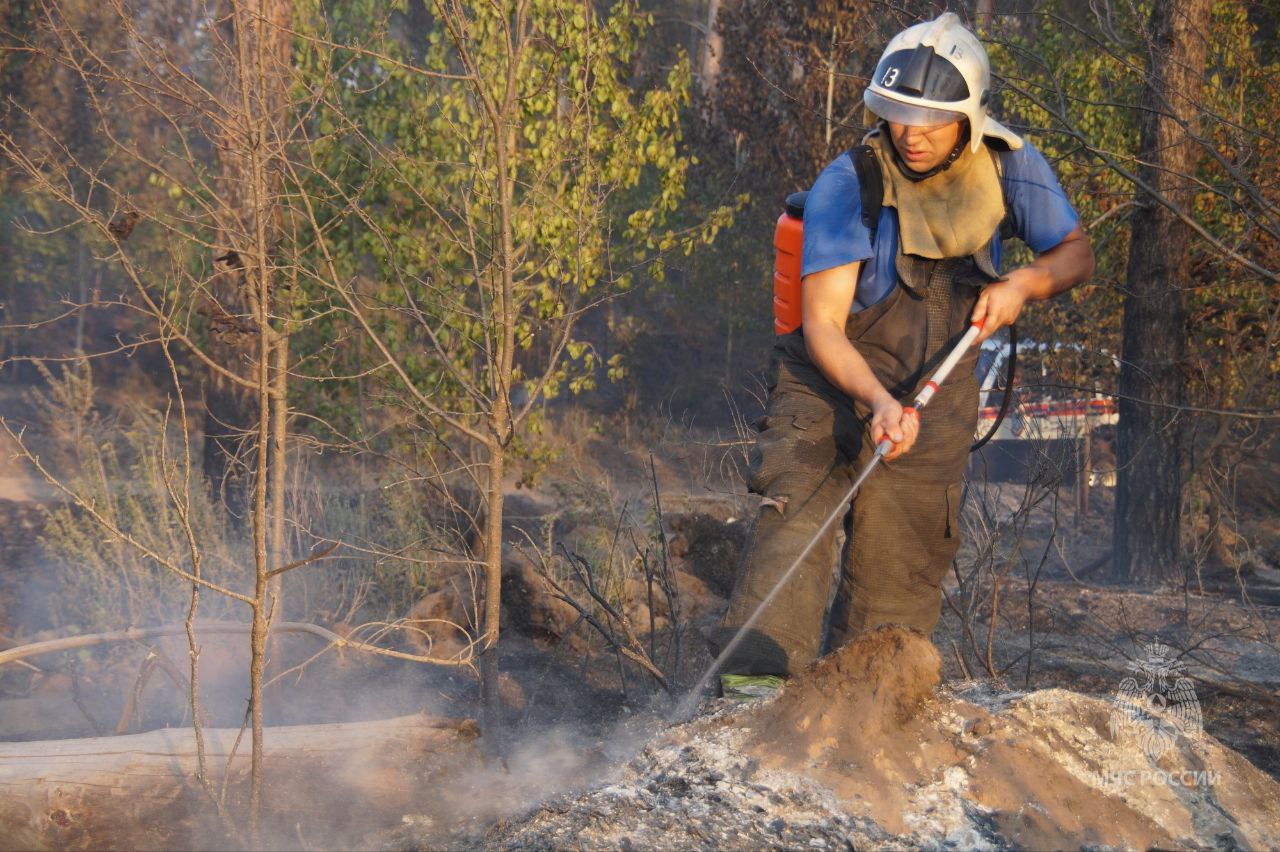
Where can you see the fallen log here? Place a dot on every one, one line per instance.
(6, 643)
(18, 653)
(326, 786)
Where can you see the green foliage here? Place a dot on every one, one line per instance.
(598, 168)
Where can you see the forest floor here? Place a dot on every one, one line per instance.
(1058, 622)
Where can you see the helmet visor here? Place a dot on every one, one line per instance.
(912, 115)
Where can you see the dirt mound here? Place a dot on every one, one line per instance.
(864, 749)
(859, 720)
(873, 685)
(866, 721)
(1050, 772)
(437, 625)
(440, 621)
(533, 608)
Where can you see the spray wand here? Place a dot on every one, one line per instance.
(883, 448)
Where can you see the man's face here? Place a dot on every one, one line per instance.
(923, 148)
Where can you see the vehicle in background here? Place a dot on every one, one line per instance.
(1041, 432)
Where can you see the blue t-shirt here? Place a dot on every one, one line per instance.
(834, 234)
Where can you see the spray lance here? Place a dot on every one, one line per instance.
(883, 448)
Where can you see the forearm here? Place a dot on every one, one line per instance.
(841, 363)
(1059, 269)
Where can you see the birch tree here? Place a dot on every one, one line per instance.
(510, 182)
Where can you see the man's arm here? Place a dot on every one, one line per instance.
(1057, 270)
(825, 300)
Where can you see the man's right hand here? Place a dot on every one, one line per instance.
(889, 418)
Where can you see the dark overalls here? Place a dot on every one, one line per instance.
(902, 532)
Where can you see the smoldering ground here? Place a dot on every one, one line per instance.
(394, 765)
(384, 755)
(110, 726)
(865, 749)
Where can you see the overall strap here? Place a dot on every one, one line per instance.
(938, 299)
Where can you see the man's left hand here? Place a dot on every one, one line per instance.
(1001, 302)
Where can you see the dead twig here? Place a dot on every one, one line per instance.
(75, 696)
(134, 697)
(955, 649)
(315, 555)
(633, 650)
(132, 710)
(669, 587)
(6, 643)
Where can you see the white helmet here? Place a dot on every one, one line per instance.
(935, 73)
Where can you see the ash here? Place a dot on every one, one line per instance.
(699, 788)
(695, 788)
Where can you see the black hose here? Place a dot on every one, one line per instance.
(1008, 391)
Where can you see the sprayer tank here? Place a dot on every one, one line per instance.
(788, 242)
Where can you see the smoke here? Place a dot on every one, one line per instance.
(339, 786)
(350, 781)
(449, 796)
(544, 764)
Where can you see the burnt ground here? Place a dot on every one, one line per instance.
(866, 749)
(1087, 634)
(1083, 632)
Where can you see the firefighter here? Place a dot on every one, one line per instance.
(882, 304)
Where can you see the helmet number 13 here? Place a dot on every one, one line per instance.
(890, 77)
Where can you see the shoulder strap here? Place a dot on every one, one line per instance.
(1006, 224)
(870, 186)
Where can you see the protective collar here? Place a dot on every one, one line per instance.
(952, 213)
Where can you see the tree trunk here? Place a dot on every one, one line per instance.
(501, 372)
(489, 672)
(983, 12)
(257, 138)
(337, 784)
(1085, 471)
(712, 47)
(253, 129)
(276, 547)
(1149, 455)
(831, 90)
